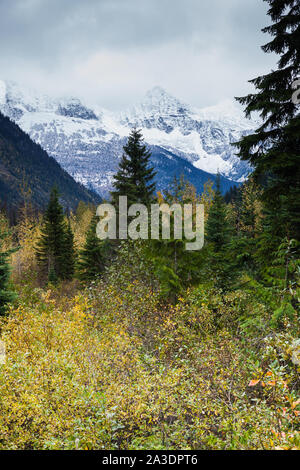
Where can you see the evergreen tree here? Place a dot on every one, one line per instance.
(69, 254)
(51, 245)
(6, 294)
(220, 265)
(93, 254)
(274, 149)
(274, 225)
(248, 215)
(52, 277)
(217, 225)
(176, 189)
(232, 195)
(135, 176)
(250, 209)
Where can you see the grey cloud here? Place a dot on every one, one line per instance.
(48, 38)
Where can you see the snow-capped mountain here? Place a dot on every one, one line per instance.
(87, 140)
(203, 137)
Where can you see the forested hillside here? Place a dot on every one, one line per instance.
(24, 162)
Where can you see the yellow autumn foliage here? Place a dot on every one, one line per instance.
(111, 368)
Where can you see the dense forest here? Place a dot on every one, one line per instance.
(142, 344)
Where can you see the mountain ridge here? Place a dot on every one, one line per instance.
(87, 140)
(23, 161)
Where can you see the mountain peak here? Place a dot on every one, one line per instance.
(158, 101)
(157, 91)
(159, 94)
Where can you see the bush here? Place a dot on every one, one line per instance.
(114, 368)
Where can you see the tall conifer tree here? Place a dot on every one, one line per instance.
(218, 233)
(6, 294)
(50, 247)
(92, 256)
(217, 225)
(274, 149)
(135, 176)
(69, 254)
(247, 211)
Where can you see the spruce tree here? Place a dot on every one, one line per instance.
(69, 254)
(51, 245)
(248, 214)
(92, 256)
(6, 294)
(52, 277)
(218, 234)
(274, 149)
(217, 225)
(135, 176)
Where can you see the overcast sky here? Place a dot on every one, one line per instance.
(112, 51)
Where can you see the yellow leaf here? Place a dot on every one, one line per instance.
(252, 383)
(295, 403)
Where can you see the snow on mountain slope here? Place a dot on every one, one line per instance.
(88, 141)
(204, 136)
